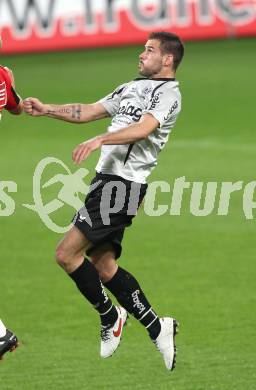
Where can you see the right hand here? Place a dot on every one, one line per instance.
(34, 107)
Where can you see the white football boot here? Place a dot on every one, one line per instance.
(111, 334)
(9, 342)
(165, 342)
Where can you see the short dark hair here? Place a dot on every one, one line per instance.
(170, 43)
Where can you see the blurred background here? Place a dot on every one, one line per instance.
(199, 269)
(37, 25)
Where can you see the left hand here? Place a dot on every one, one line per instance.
(84, 150)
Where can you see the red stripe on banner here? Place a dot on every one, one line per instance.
(240, 20)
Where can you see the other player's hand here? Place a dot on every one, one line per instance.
(34, 107)
(84, 150)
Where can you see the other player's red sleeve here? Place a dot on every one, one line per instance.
(13, 98)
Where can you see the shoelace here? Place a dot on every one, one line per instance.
(104, 332)
(7, 336)
(156, 344)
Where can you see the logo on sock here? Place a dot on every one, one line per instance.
(137, 303)
(104, 293)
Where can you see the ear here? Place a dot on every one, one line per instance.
(168, 60)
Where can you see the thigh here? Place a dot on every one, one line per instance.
(74, 242)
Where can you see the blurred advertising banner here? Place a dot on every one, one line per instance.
(38, 25)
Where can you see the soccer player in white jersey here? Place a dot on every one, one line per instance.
(143, 113)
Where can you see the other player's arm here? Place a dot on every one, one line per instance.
(14, 101)
(19, 108)
(128, 135)
(74, 113)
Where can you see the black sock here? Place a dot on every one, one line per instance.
(87, 280)
(127, 291)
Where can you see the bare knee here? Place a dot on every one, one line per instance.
(62, 257)
(106, 267)
(106, 274)
(68, 259)
(71, 249)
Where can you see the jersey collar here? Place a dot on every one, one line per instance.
(157, 79)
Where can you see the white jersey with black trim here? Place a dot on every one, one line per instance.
(126, 105)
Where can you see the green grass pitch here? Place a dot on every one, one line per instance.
(200, 269)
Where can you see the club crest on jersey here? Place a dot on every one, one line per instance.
(130, 110)
(147, 90)
(3, 94)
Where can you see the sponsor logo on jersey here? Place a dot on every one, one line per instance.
(3, 95)
(130, 110)
(173, 108)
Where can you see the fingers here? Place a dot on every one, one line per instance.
(81, 152)
(33, 106)
(28, 106)
(84, 150)
(76, 154)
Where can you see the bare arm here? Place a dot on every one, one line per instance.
(130, 134)
(74, 113)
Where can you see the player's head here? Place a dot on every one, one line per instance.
(163, 51)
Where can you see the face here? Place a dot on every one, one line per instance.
(151, 61)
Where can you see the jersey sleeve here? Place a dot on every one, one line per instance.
(164, 104)
(12, 98)
(111, 102)
(3, 94)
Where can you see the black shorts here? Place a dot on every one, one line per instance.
(110, 206)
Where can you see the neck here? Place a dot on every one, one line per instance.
(164, 74)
